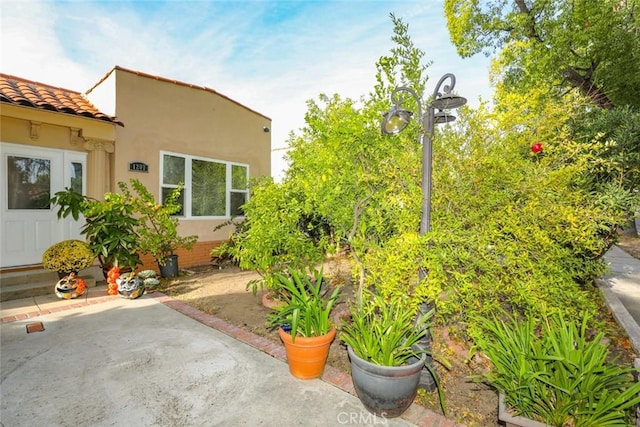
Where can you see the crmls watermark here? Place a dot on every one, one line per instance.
(359, 418)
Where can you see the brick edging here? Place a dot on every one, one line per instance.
(32, 314)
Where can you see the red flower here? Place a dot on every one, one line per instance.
(537, 147)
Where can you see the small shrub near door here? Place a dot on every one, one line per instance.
(157, 227)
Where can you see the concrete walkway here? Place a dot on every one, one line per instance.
(154, 361)
(621, 289)
(107, 361)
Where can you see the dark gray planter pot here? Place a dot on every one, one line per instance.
(170, 267)
(385, 391)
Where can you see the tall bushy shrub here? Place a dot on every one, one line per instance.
(511, 228)
(276, 234)
(613, 138)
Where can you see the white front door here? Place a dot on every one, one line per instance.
(30, 177)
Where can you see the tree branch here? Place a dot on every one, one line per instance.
(587, 87)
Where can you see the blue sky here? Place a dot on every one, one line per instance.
(271, 56)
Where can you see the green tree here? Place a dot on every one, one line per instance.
(591, 46)
(614, 137)
(344, 174)
(511, 228)
(366, 185)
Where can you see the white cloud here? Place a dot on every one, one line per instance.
(271, 56)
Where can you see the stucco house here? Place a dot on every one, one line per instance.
(129, 125)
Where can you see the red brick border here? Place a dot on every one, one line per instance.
(30, 315)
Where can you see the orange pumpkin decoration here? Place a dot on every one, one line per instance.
(112, 277)
(130, 286)
(70, 287)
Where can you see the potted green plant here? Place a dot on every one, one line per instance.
(110, 226)
(68, 256)
(157, 228)
(303, 321)
(550, 373)
(383, 343)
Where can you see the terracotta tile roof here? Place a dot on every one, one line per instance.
(16, 90)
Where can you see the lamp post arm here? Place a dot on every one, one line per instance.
(427, 122)
(447, 88)
(396, 100)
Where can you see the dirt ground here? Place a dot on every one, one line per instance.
(223, 292)
(630, 242)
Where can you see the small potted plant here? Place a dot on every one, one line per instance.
(383, 343)
(303, 321)
(110, 226)
(549, 372)
(68, 256)
(157, 228)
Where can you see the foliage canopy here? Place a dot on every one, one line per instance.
(591, 46)
(511, 228)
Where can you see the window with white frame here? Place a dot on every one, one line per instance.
(212, 188)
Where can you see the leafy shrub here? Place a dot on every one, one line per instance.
(110, 225)
(68, 256)
(511, 228)
(271, 239)
(157, 227)
(613, 137)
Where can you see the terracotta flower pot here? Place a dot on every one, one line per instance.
(307, 356)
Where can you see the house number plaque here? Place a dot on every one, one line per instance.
(138, 167)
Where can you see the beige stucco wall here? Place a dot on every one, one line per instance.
(33, 127)
(159, 115)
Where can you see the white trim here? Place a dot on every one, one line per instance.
(35, 230)
(75, 157)
(188, 183)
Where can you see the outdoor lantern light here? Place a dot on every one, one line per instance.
(448, 100)
(394, 122)
(443, 117)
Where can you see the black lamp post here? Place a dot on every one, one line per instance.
(393, 122)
